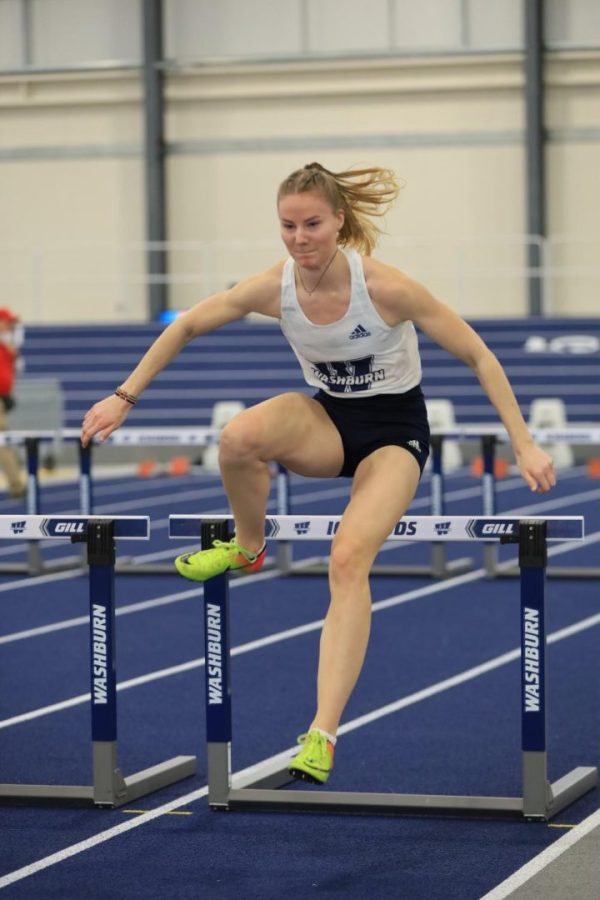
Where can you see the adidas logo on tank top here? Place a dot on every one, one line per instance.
(334, 357)
(359, 332)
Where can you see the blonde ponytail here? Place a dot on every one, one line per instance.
(360, 193)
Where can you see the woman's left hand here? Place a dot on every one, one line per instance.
(537, 468)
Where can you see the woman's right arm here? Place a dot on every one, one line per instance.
(252, 294)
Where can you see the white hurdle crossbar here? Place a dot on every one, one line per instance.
(409, 528)
(540, 799)
(109, 787)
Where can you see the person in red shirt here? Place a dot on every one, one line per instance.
(9, 352)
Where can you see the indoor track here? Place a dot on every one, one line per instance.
(436, 709)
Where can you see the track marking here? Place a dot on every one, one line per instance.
(173, 812)
(543, 859)
(35, 580)
(130, 608)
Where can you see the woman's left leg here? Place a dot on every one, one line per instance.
(383, 488)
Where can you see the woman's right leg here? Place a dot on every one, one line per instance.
(292, 429)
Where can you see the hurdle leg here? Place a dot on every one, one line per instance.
(438, 551)
(218, 688)
(110, 788)
(541, 800)
(108, 783)
(488, 487)
(217, 674)
(34, 556)
(284, 555)
(218, 699)
(537, 794)
(86, 501)
(440, 567)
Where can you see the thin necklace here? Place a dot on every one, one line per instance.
(321, 276)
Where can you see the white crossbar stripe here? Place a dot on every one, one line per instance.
(32, 527)
(409, 528)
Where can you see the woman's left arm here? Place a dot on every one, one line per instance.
(451, 332)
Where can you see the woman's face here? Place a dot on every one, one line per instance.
(309, 228)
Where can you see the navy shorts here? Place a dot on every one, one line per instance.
(367, 423)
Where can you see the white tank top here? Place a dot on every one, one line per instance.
(358, 352)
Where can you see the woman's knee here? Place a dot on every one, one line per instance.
(241, 439)
(349, 561)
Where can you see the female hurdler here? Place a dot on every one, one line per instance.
(350, 320)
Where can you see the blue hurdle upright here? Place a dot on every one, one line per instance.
(540, 799)
(109, 787)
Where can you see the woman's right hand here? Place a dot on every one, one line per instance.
(103, 418)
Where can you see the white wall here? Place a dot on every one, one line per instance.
(72, 181)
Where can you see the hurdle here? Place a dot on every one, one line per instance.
(109, 788)
(490, 438)
(540, 800)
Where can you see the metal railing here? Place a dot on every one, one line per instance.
(87, 282)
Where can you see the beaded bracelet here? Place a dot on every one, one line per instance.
(125, 395)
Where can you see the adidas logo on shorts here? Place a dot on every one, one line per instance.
(359, 332)
(415, 445)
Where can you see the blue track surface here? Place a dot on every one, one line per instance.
(456, 739)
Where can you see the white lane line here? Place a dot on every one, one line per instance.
(250, 772)
(543, 859)
(287, 634)
(467, 675)
(142, 606)
(277, 637)
(35, 580)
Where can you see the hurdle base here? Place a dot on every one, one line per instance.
(111, 789)
(260, 792)
(567, 790)
(50, 794)
(111, 792)
(366, 803)
(146, 781)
